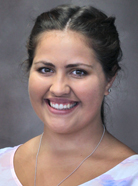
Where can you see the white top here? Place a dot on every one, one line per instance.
(123, 174)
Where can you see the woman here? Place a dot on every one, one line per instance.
(73, 59)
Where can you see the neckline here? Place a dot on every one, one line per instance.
(83, 184)
(12, 166)
(112, 169)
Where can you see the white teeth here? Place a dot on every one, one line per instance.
(61, 106)
(64, 106)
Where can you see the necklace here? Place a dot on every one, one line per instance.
(75, 168)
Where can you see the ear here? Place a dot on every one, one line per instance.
(109, 84)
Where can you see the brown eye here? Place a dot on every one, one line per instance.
(79, 72)
(45, 70)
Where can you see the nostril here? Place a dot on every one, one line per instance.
(59, 89)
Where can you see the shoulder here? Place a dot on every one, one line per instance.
(128, 165)
(24, 161)
(28, 149)
(7, 175)
(116, 149)
(4, 150)
(125, 172)
(6, 153)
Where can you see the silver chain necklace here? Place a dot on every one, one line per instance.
(75, 168)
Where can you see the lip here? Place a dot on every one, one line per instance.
(60, 101)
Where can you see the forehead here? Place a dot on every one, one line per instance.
(63, 46)
(58, 34)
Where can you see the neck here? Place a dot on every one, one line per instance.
(81, 157)
(74, 143)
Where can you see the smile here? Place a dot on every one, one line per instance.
(62, 106)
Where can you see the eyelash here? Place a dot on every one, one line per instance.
(77, 72)
(81, 72)
(47, 70)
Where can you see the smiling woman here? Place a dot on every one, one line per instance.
(71, 67)
(73, 59)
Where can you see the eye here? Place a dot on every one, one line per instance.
(45, 70)
(79, 72)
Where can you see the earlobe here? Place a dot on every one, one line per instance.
(109, 90)
(109, 85)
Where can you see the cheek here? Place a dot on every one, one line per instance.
(90, 88)
(32, 87)
(91, 93)
(36, 87)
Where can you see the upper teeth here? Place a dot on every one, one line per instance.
(62, 106)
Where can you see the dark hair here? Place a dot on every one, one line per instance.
(99, 30)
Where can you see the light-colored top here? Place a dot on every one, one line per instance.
(123, 174)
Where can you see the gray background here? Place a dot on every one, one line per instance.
(18, 122)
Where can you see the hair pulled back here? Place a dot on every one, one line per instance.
(99, 30)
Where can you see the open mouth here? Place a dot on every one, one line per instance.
(62, 106)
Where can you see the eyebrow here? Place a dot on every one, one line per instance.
(67, 66)
(45, 63)
(78, 64)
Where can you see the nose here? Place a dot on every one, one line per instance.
(60, 86)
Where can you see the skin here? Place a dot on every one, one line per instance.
(65, 70)
(62, 51)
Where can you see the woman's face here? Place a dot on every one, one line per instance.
(66, 83)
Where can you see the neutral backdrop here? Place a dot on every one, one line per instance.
(18, 122)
